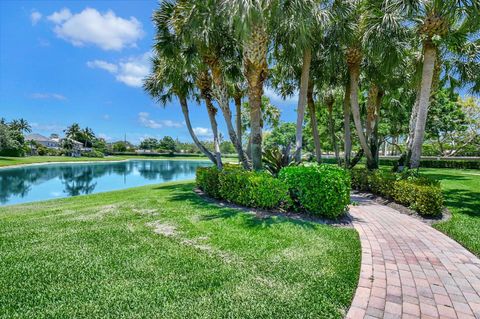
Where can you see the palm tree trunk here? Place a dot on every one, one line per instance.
(184, 105)
(313, 122)
(346, 126)
(429, 57)
(221, 95)
(302, 101)
(373, 111)
(238, 115)
(331, 129)
(255, 70)
(212, 111)
(354, 71)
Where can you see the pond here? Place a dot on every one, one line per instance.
(41, 182)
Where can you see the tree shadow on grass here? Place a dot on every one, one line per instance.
(255, 218)
(466, 202)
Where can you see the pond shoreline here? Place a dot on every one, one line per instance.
(102, 161)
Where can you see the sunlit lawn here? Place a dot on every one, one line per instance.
(99, 256)
(462, 196)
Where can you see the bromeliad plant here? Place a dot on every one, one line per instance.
(276, 158)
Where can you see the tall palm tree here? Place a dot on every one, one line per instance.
(73, 131)
(21, 125)
(200, 24)
(298, 34)
(204, 83)
(254, 22)
(440, 25)
(173, 70)
(88, 136)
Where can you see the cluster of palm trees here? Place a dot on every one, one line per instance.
(86, 136)
(393, 50)
(20, 125)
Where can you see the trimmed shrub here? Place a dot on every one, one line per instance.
(438, 163)
(242, 187)
(252, 188)
(420, 193)
(207, 180)
(93, 153)
(319, 189)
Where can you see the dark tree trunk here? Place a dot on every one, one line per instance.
(313, 122)
(346, 126)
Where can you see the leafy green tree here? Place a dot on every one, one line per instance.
(12, 141)
(149, 144)
(227, 147)
(282, 136)
(167, 143)
(120, 147)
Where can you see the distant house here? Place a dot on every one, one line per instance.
(45, 141)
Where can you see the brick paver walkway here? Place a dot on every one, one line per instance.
(411, 270)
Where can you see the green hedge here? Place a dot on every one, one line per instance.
(243, 187)
(438, 163)
(320, 189)
(422, 194)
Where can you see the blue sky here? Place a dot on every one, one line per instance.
(83, 61)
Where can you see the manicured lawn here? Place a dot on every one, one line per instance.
(99, 256)
(7, 161)
(462, 197)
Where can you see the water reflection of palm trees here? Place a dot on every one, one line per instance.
(79, 179)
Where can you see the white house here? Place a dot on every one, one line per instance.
(45, 141)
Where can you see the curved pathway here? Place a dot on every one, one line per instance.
(411, 270)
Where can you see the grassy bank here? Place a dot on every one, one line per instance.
(462, 196)
(162, 252)
(13, 161)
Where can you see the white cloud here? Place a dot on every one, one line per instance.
(274, 97)
(44, 96)
(203, 132)
(35, 17)
(110, 67)
(145, 120)
(130, 71)
(106, 117)
(106, 31)
(60, 16)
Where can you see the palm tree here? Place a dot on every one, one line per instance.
(204, 83)
(88, 136)
(200, 24)
(21, 125)
(254, 22)
(73, 131)
(297, 35)
(442, 24)
(173, 71)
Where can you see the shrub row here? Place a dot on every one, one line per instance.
(438, 163)
(319, 189)
(421, 194)
(243, 187)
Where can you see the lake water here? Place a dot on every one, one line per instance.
(41, 182)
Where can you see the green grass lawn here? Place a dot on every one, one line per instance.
(462, 196)
(10, 161)
(99, 256)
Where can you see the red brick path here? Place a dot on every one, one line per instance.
(411, 270)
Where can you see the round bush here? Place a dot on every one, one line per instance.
(320, 189)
